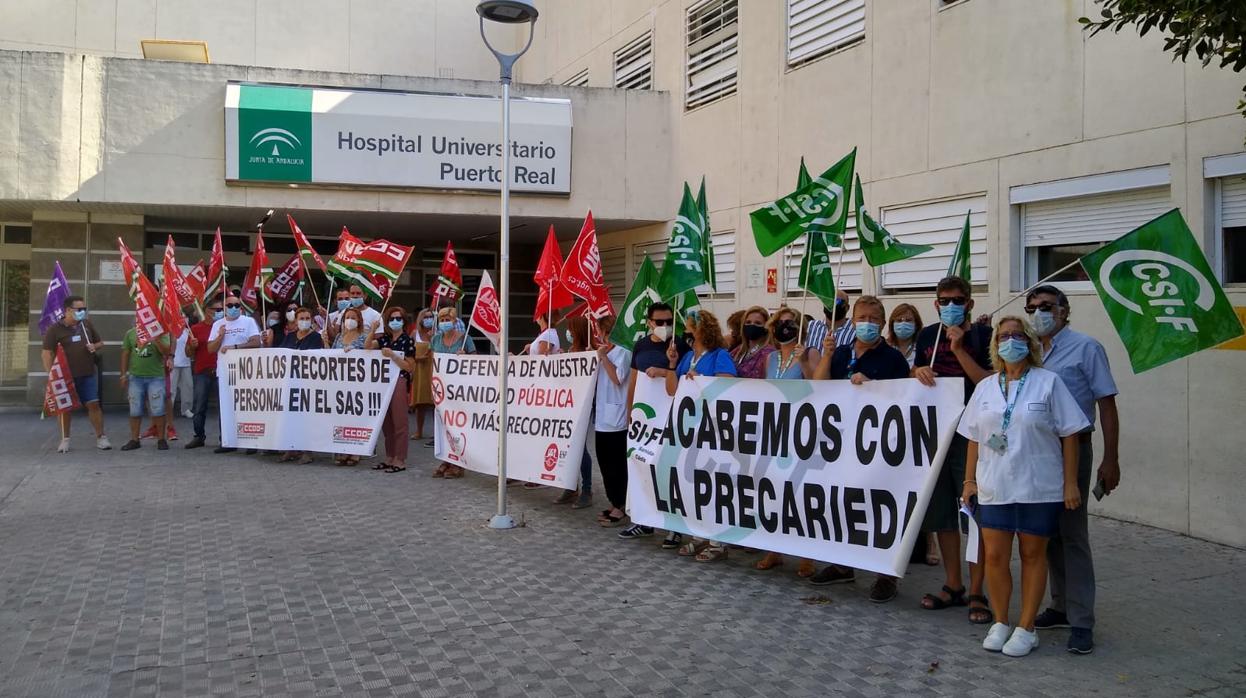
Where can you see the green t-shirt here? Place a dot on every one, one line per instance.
(145, 362)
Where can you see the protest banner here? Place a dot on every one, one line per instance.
(817, 469)
(549, 399)
(329, 400)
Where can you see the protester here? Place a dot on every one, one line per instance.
(333, 324)
(577, 340)
(649, 357)
(368, 316)
(397, 346)
(302, 338)
(734, 334)
(450, 339)
(183, 378)
(271, 335)
(422, 374)
(753, 347)
(963, 351)
(76, 335)
(902, 329)
(203, 368)
(1020, 473)
(707, 358)
(836, 322)
(286, 324)
(234, 331)
(546, 341)
(142, 376)
(1082, 365)
(610, 423)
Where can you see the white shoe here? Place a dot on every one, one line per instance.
(996, 637)
(1021, 643)
(64, 447)
(188, 414)
(103, 444)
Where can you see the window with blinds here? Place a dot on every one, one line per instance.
(713, 57)
(633, 64)
(580, 79)
(850, 272)
(1056, 232)
(1232, 207)
(614, 273)
(817, 27)
(724, 262)
(938, 224)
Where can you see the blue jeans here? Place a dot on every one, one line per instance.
(205, 385)
(586, 472)
(149, 391)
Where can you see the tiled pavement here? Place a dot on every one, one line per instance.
(187, 573)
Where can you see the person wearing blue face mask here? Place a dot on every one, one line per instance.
(422, 375)
(964, 351)
(1020, 473)
(902, 329)
(340, 303)
(234, 331)
(371, 317)
(398, 347)
(449, 340)
(76, 335)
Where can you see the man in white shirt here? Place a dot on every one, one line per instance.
(234, 331)
(371, 318)
(182, 380)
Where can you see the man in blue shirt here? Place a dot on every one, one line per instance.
(1082, 364)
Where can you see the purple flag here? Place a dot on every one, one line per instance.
(54, 304)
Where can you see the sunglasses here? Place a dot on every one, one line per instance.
(398, 317)
(233, 305)
(664, 322)
(216, 309)
(959, 300)
(1045, 307)
(1004, 336)
(77, 309)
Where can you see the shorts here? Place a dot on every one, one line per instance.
(87, 387)
(942, 513)
(1038, 519)
(146, 390)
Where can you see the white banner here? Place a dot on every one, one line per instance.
(817, 469)
(327, 400)
(549, 400)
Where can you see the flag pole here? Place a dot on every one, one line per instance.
(804, 298)
(1036, 284)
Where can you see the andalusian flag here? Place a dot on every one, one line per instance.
(820, 205)
(631, 325)
(685, 267)
(878, 246)
(960, 256)
(1165, 304)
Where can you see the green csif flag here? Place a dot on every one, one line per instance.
(1165, 304)
(878, 246)
(684, 267)
(816, 276)
(686, 302)
(820, 205)
(960, 256)
(630, 325)
(708, 240)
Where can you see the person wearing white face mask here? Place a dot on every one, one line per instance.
(1020, 473)
(302, 338)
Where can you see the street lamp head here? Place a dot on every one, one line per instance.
(507, 11)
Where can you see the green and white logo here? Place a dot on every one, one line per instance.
(275, 132)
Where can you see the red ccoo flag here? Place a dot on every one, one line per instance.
(172, 276)
(254, 281)
(553, 295)
(218, 273)
(61, 395)
(197, 278)
(449, 285)
(306, 251)
(171, 312)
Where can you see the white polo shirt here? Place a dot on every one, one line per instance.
(1031, 470)
(611, 400)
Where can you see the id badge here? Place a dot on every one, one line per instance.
(998, 441)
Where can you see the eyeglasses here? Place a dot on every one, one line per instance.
(663, 322)
(1045, 307)
(233, 305)
(959, 300)
(1004, 336)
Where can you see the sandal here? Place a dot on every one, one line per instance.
(287, 457)
(692, 548)
(455, 472)
(806, 568)
(395, 468)
(979, 615)
(352, 460)
(305, 459)
(380, 466)
(712, 553)
(608, 521)
(440, 471)
(770, 561)
(956, 597)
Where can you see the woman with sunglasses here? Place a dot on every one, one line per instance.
(754, 347)
(396, 345)
(1020, 473)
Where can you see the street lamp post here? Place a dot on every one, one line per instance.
(505, 12)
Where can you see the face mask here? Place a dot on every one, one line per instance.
(662, 332)
(80, 315)
(867, 332)
(273, 322)
(233, 313)
(904, 329)
(289, 316)
(1013, 350)
(785, 332)
(446, 325)
(218, 314)
(427, 323)
(350, 323)
(356, 302)
(570, 340)
(396, 324)
(343, 304)
(952, 315)
(754, 333)
(1044, 322)
(304, 325)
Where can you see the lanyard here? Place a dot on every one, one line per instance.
(692, 363)
(1003, 388)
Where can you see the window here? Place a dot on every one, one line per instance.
(580, 79)
(939, 224)
(14, 320)
(817, 27)
(849, 278)
(633, 64)
(713, 58)
(724, 265)
(1231, 227)
(15, 234)
(614, 273)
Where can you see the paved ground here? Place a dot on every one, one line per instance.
(187, 573)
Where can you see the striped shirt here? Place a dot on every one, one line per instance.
(844, 336)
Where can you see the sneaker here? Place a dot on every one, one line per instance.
(833, 574)
(584, 500)
(1051, 618)
(224, 449)
(188, 414)
(996, 637)
(884, 589)
(1081, 641)
(150, 433)
(172, 433)
(567, 497)
(103, 444)
(196, 442)
(64, 447)
(162, 445)
(672, 540)
(1021, 643)
(131, 445)
(635, 531)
